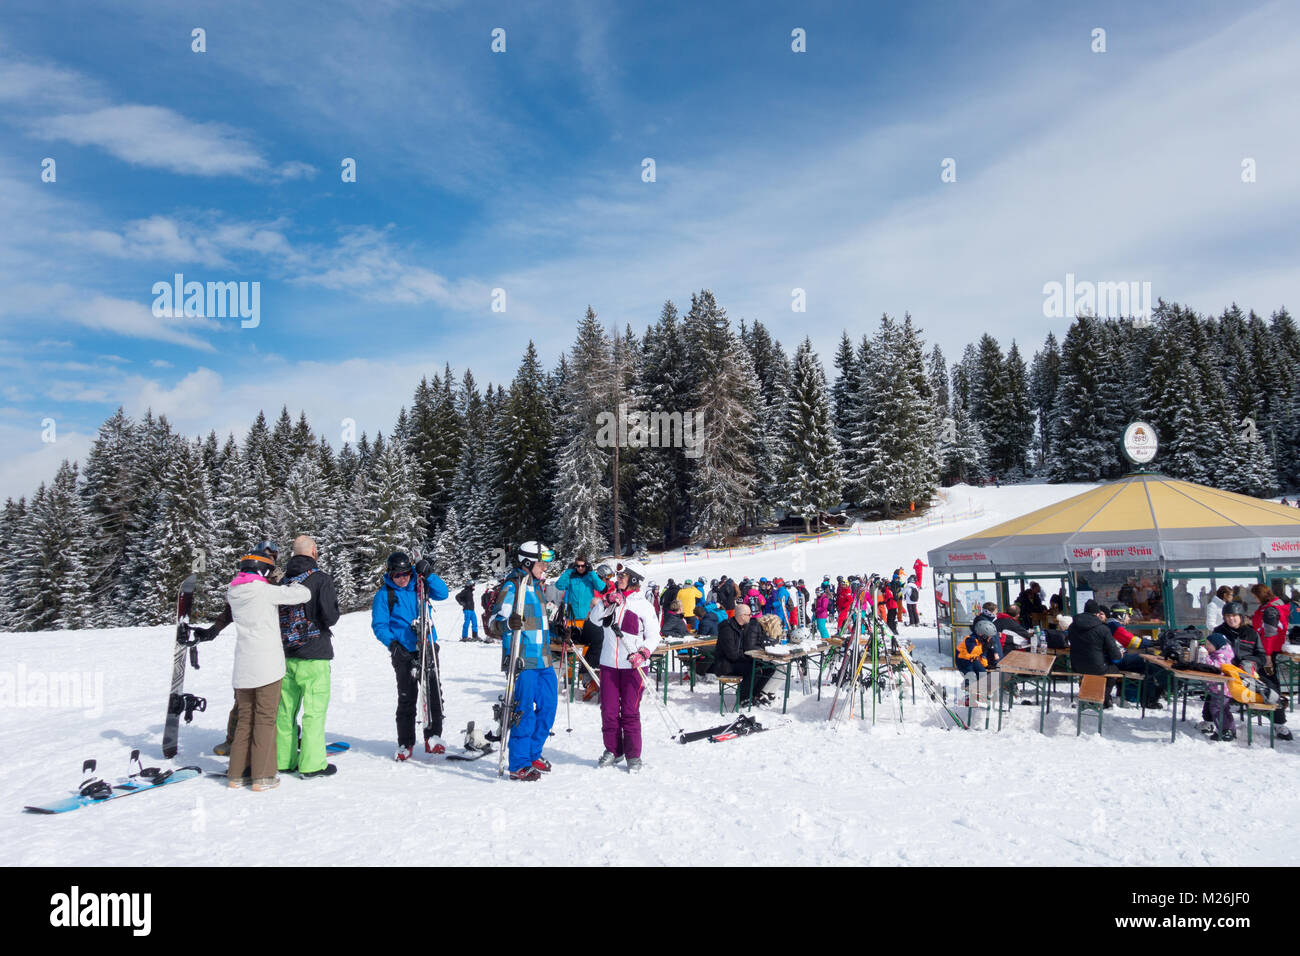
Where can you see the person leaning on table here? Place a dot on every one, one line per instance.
(1092, 648)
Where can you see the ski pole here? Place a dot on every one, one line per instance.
(568, 678)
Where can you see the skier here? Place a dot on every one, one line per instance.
(912, 598)
(487, 602)
(917, 566)
(580, 584)
(223, 620)
(631, 635)
(843, 604)
(727, 594)
(469, 622)
(780, 602)
(308, 650)
(688, 594)
(822, 610)
(536, 692)
(259, 666)
(394, 616)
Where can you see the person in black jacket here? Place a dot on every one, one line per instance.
(307, 654)
(465, 598)
(727, 595)
(1092, 648)
(736, 635)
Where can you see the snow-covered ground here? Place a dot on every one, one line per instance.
(805, 793)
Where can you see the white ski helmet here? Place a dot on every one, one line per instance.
(531, 551)
(635, 571)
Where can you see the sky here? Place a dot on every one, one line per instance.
(523, 171)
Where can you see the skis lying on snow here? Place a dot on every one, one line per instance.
(179, 702)
(96, 790)
(742, 726)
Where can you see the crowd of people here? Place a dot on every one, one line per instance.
(1101, 640)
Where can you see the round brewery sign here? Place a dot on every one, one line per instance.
(1140, 443)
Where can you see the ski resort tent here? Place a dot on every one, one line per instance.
(1145, 530)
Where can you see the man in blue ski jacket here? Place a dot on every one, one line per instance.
(523, 608)
(394, 614)
(580, 585)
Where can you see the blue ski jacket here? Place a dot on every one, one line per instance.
(578, 590)
(394, 609)
(779, 605)
(535, 652)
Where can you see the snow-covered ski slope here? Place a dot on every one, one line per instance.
(805, 793)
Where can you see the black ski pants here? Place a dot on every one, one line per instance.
(406, 666)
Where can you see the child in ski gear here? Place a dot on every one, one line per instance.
(536, 691)
(469, 620)
(394, 616)
(259, 666)
(1249, 652)
(307, 654)
(1218, 706)
(631, 636)
(971, 658)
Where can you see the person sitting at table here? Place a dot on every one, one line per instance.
(707, 618)
(1251, 646)
(971, 656)
(992, 647)
(673, 624)
(1012, 632)
(1216, 715)
(1092, 648)
(1116, 618)
(1030, 603)
(736, 635)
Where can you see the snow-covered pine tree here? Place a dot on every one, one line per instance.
(1044, 376)
(768, 441)
(812, 479)
(725, 395)
(280, 453)
(11, 522)
(962, 451)
(181, 535)
(579, 485)
(112, 496)
(449, 555)
(393, 512)
(520, 455)
(54, 547)
(937, 369)
(303, 505)
(1085, 432)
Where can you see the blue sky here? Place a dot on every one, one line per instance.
(522, 171)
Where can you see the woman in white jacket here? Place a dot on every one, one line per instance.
(259, 666)
(631, 635)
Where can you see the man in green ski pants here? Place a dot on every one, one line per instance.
(305, 630)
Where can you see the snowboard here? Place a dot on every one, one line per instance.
(94, 790)
(179, 702)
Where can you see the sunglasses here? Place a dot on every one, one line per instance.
(401, 574)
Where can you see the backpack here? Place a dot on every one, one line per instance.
(495, 628)
(297, 630)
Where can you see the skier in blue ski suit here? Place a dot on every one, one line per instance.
(536, 693)
(780, 605)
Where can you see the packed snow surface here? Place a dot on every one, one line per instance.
(805, 793)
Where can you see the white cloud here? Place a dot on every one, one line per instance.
(158, 138)
(28, 461)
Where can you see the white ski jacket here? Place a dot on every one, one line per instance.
(255, 607)
(630, 622)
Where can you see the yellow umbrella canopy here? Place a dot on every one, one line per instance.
(1142, 521)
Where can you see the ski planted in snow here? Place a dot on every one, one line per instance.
(179, 702)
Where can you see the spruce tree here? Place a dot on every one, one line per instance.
(812, 479)
(520, 456)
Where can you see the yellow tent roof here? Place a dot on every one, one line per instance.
(1144, 520)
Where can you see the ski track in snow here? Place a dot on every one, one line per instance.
(802, 793)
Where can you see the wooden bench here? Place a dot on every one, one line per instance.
(1260, 708)
(1092, 696)
(723, 684)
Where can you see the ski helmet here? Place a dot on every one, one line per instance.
(1120, 610)
(635, 571)
(604, 572)
(1234, 607)
(531, 552)
(1270, 615)
(257, 562)
(984, 628)
(268, 547)
(399, 562)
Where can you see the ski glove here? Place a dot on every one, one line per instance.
(423, 568)
(204, 633)
(640, 658)
(516, 623)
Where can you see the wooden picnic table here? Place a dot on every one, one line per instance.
(1035, 668)
(690, 645)
(783, 661)
(1178, 676)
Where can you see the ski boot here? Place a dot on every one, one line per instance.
(607, 759)
(542, 765)
(633, 764)
(434, 745)
(528, 773)
(326, 771)
(403, 753)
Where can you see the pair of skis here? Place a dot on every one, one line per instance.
(428, 661)
(742, 726)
